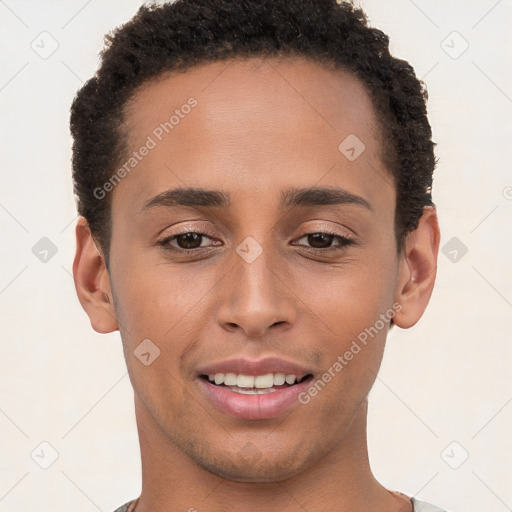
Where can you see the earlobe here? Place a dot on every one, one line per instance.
(92, 282)
(417, 269)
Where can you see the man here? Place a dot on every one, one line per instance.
(254, 183)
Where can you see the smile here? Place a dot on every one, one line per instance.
(260, 382)
(254, 397)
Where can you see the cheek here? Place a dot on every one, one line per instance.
(161, 304)
(164, 305)
(349, 298)
(352, 343)
(157, 299)
(354, 305)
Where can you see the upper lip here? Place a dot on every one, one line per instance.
(255, 367)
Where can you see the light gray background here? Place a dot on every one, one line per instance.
(444, 389)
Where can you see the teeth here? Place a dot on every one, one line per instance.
(230, 379)
(290, 379)
(245, 381)
(254, 382)
(264, 381)
(279, 379)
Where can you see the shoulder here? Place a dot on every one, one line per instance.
(419, 506)
(125, 507)
(423, 506)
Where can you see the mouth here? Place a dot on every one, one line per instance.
(254, 397)
(255, 384)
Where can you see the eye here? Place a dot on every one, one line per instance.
(190, 241)
(322, 241)
(187, 241)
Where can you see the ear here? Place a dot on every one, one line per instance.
(417, 269)
(92, 281)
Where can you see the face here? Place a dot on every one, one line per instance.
(282, 262)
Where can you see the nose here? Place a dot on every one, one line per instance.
(255, 298)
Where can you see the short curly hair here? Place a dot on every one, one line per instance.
(186, 33)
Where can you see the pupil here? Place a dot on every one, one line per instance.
(314, 238)
(190, 240)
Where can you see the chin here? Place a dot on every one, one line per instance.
(250, 464)
(259, 472)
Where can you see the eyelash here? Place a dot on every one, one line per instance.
(342, 240)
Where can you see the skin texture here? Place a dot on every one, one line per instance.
(260, 127)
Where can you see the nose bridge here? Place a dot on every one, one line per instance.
(254, 298)
(252, 269)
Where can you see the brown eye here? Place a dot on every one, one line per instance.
(185, 242)
(320, 240)
(323, 241)
(189, 240)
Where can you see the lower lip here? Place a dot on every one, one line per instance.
(253, 407)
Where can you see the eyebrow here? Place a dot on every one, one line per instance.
(313, 196)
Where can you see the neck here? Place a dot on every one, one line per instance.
(341, 480)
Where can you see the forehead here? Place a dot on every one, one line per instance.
(266, 89)
(253, 122)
